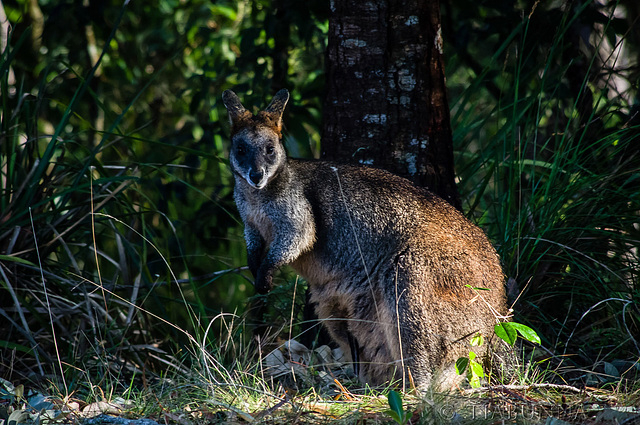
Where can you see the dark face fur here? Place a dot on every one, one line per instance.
(256, 155)
(256, 148)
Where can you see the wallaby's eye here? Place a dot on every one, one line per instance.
(270, 150)
(241, 150)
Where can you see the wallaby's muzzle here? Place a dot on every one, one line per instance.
(256, 177)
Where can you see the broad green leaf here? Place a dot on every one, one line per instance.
(506, 332)
(461, 365)
(526, 332)
(476, 369)
(395, 402)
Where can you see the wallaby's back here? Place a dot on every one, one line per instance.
(391, 267)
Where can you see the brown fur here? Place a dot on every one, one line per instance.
(388, 263)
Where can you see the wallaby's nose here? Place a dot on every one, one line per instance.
(256, 176)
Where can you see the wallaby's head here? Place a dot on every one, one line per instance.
(257, 153)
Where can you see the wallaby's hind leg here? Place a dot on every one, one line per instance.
(439, 315)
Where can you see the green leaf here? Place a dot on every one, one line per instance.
(611, 370)
(477, 288)
(461, 365)
(14, 346)
(16, 260)
(396, 412)
(395, 402)
(474, 381)
(506, 332)
(225, 11)
(394, 416)
(477, 340)
(526, 332)
(476, 369)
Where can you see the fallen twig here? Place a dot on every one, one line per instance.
(560, 387)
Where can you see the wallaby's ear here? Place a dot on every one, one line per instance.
(234, 107)
(276, 107)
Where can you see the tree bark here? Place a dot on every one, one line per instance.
(386, 102)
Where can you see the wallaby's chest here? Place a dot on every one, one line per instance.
(260, 212)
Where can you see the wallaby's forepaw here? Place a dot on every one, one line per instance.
(264, 282)
(254, 265)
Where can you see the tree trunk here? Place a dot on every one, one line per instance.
(386, 101)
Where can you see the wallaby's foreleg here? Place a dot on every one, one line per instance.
(286, 248)
(255, 249)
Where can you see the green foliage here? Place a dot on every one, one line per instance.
(118, 229)
(471, 365)
(397, 412)
(474, 369)
(507, 332)
(76, 246)
(548, 160)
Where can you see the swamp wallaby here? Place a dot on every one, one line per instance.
(391, 267)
